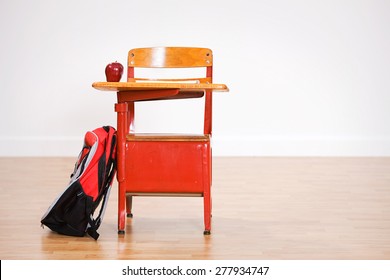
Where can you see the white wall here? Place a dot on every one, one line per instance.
(305, 77)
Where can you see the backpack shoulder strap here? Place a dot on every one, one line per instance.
(110, 171)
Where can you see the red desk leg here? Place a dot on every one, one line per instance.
(122, 129)
(207, 188)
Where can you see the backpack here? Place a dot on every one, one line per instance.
(72, 212)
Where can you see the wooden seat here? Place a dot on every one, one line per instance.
(163, 164)
(167, 137)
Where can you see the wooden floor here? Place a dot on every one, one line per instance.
(263, 208)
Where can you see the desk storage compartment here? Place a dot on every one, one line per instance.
(167, 167)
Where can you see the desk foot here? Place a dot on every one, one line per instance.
(130, 215)
(207, 232)
(121, 232)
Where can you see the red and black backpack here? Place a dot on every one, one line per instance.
(72, 213)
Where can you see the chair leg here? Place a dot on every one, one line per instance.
(207, 213)
(207, 179)
(129, 204)
(121, 208)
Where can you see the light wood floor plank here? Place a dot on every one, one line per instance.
(263, 208)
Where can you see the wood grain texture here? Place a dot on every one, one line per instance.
(167, 137)
(171, 57)
(128, 86)
(263, 208)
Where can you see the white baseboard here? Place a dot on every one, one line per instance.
(40, 147)
(264, 146)
(222, 146)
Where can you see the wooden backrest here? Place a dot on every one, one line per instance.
(170, 57)
(175, 57)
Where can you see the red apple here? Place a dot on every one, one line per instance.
(114, 72)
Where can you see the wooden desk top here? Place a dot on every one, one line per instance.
(130, 86)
